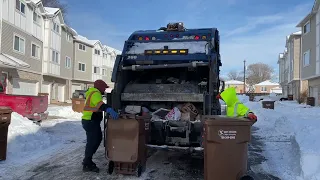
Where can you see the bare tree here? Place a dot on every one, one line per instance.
(258, 72)
(235, 75)
(57, 4)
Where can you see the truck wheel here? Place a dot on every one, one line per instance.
(110, 167)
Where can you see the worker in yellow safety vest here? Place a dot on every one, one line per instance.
(91, 119)
(235, 108)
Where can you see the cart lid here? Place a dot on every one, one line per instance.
(221, 120)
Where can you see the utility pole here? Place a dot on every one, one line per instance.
(244, 76)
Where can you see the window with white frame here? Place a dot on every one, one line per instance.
(96, 70)
(21, 7)
(97, 52)
(105, 55)
(68, 62)
(35, 51)
(104, 72)
(55, 56)
(19, 44)
(56, 27)
(306, 28)
(306, 58)
(82, 67)
(263, 89)
(68, 37)
(36, 18)
(82, 47)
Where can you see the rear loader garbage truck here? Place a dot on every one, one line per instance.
(173, 74)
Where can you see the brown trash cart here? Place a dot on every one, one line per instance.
(226, 147)
(126, 144)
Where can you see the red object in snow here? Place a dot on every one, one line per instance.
(31, 107)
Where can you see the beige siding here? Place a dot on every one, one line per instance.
(8, 32)
(258, 88)
(309, 43)
(66, 51)
(82, 57)
(239, 87)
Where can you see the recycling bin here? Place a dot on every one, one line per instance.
(78, 104)
(226, 147)
(5, 119)
(311, 101)
(290, 97)
(268, 104)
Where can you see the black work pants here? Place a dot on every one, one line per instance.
(94, 138)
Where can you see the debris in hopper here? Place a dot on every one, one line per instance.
(174, 114)
(190, 108)
(185, 116)
(132, 109)
(173, 80)
(145, 111)
(161, 113)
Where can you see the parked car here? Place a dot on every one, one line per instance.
(31, 107)
(272, 96)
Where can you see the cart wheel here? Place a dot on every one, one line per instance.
(246, 177)
(110, 167)
(139, 170)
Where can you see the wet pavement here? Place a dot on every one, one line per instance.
(161, 165)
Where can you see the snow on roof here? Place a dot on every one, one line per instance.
(111, 49)
(51, 11)
(267, 83)
(85, 40)
(281, 55)
(234, 82)
(36, 1)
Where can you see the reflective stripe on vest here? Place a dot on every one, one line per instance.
(87, 106)
(235, 110)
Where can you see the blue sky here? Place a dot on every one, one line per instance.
(250, 29)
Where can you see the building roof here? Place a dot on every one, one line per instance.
(111, 50)
(85, 40)
(267, 83)
(235, 82)
(51, 11)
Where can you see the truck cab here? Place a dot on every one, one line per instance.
(166, 68)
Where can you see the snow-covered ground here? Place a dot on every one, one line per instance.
(290, 134)
(296, 127)
(28, 142)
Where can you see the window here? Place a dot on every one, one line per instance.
(56, 27)
(20, 6)
(19, 44)
(263, 89)
(96, 70)
(105, 55)
(306, 58)
(82, 67)
(35, 51)
(55, 56)
(82, 47)
(306, 28)
(68, 37)
(68, 62)
(36, 18)
(96, 51)
(104, 72)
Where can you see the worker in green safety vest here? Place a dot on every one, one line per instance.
(235, 108)
(91, 120)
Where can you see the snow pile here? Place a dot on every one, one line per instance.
(29, 143)
(64, 111)
(291, 132)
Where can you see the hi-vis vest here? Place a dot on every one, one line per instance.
(91, 105)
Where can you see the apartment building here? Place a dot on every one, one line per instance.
(310, 51)
(40, 53)
(21, 46)
(282, 74)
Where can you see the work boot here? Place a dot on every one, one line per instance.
(90, 167)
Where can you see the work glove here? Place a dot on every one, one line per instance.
(252, 116)
(113, 114)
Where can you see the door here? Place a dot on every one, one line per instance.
(4, 82)
(315, 95)
(24, 87)
(46, 88)
(61, 92)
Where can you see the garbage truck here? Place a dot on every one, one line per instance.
(172, 71)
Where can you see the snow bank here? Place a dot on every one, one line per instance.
(296, 128)
(29, 143)
(64, 111)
